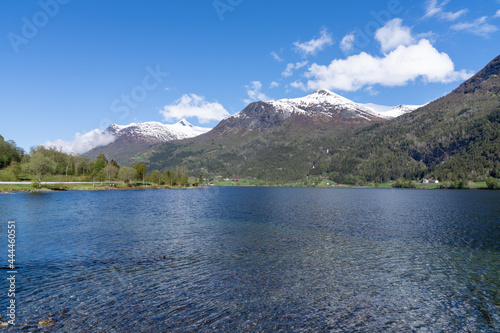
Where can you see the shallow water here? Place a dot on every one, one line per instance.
(256, 259)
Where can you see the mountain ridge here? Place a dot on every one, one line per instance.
(320, 108)
(136, 138)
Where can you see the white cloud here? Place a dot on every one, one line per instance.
(404, 60)
(289, 70)
(192, 105)
(298, 85)
(274, 84)
(497, 13)
(479, 27)
(314, 45)
(290, 67)
(254, 93)
(276, 56)
(397, 68)
(435, 9)
(83, 142)
(394, 34)
(347, 43)
(372, 91)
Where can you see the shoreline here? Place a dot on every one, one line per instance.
(63, 188)
(135, 188)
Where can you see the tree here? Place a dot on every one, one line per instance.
(200, 180)
(9, 152)
(81, 164)
(126, 174)
(40, 165)
(113, 162)
(167, 177)
(155, 177)
(100, 163)
(182, 176)
(15, 169)
(141, 170)
(99, 176)
(69, 160)
(184, 180)
(110, 171)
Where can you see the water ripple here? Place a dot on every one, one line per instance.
(259, 259)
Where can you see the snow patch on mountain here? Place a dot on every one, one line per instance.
(319, 97)
(389, 112)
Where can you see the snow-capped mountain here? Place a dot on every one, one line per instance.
(157, 132)
(326, 103)
(390, 112)
(321, 107)
(321, 102)
(136, 138)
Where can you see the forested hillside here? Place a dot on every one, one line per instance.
(454, 137)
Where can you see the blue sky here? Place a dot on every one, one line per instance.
(70, 66)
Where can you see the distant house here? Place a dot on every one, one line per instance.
(429, 181)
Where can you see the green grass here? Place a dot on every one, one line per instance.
(6, 188)
(238, 182)
(313, 182)
(476, 185)
(324, 182)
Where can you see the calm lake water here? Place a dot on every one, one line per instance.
(255, 259)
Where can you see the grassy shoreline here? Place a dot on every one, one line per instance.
(114, 186)
(105, 186)
(325, 183)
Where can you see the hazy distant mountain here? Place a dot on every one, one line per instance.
(138, 137)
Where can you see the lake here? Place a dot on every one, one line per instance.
(255, 259)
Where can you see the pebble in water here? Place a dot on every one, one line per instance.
(45, 322)
(3, 324)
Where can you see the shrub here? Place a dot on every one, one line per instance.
(398, 184)
(493, 183)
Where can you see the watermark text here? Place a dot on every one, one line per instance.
(11, 273)
(30, 27)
